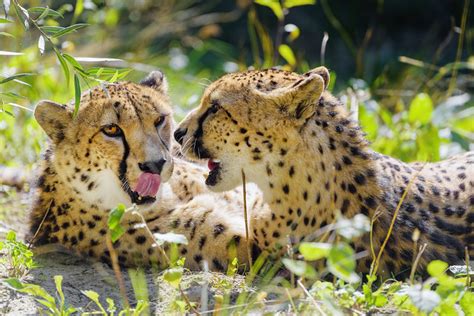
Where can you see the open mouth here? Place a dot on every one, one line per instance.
(146, 189)
(214, 170)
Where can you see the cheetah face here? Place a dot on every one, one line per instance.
(117, 148)
(241, 119)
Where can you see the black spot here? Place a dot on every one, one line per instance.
(345, 206)
(291, 172)
(370, 201)
(452, 228)
(347, 160)
(140, 239)
(360, 179)
(198, 258)
(276, 234)
(352, 188)
(286, 189)
(306, 221)
(243, 130)
(217, 265)
(202, 242)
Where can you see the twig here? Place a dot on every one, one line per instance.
(468, 268)
(244, 192)
(187, 300)
(30, 242)
(117, 272)
(415, 264)
(291, 299)
(375, 264)
(324, 43)
(311, 298)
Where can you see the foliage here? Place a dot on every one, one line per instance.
(17, 257)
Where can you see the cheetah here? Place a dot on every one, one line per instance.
(296, 141)
(118, 149)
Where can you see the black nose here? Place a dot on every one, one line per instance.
(179, 135)
(152, 166)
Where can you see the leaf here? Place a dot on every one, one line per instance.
(58, 280)
(341, 263)
(45, 12)
(425, 300)
(437, 267)
(274, 5)
(353, 227)
(71, 60)
(70, 29)
(173, 276)
(64, 66)
(15, 77)
(300, 268)
(41, 44)
(94, 297)
(77, 95)
(98, 59)
(171, 238)
(6, 53)
(9, 35)
(287, 53)
(314, 250)
(421, 109)
(2, 21)
(467, 303)
(11, 236)
(293, 32)
(51, 29)
(115, 216)
(14, 283)
(79, 8)
(116, 233)
(296, 3)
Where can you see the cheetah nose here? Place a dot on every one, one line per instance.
(152, 166)
(179, 135)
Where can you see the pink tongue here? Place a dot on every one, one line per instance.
(148, 184)
(212, 165)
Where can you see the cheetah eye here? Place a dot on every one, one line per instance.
(215, 106)
(159, 121)
(111, 130)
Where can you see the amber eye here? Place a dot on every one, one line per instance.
(159, 121)
(111, 130)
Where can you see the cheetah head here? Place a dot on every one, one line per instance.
(241, 118)
(117, 148)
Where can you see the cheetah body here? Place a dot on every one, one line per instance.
(298, 144)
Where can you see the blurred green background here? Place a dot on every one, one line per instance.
(404, 68)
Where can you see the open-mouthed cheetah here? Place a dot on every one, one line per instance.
(297, 143)
(117, 150)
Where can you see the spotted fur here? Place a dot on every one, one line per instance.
(84, 173)
(298, 144)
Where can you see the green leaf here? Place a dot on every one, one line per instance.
(45, 12)
(293, 32)
(421, 109)
(94, 297)
(11, 236)
(115, 216)
(287, 53)
(314, 250)
(467, 303)
(341, 263)
(77, 95)
(173, 276)
(296, 3)
(64, 66)
(274, 5)
(2, 21)
(300, 268)
(70, 29)
(15, 77)
(14, 283)
(71, 60)
(9, 35)
(171, 238)
(116, 233)
(79, 8)
(51, 29)
(437, 267)
(58, 280)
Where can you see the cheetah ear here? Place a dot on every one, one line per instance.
(323, 72)
(299, 99)
(156, 80)
(53, 118)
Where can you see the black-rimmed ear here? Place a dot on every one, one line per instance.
(298, 99)
(54, 118)
(156, 80)
(323, 72)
